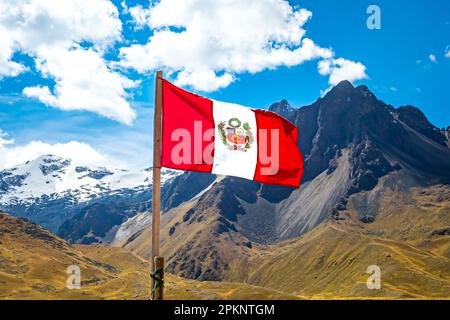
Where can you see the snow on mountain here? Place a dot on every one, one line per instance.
(39, 188)
(55, 176)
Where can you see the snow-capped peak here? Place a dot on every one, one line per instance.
(54, 176)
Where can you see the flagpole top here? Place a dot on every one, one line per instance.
(159, 74)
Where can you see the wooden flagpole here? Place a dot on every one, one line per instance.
(157, 261)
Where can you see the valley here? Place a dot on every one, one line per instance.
(331, 260)
(375, 192)
(33, 265)
(328, 263)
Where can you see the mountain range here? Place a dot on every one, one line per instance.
(34, 262)
(82, 204)
(375, 191)
(356, 150)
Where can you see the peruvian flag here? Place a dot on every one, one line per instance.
(200, 134)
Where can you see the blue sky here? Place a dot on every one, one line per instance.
(403, 63)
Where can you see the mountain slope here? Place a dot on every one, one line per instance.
(50, 190)
(86, 204)
(103, 220)
(356, 150)
(375, 191)
(33, 262)
(33, 265)
(408, 241)
(350, 140)
(190, 235)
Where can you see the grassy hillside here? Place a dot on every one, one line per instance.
(33, 265)
(196, 243)
(408, 241)
(134, 281)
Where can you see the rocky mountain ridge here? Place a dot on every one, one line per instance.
(51, 190)
(356, 149)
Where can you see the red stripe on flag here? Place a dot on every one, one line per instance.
(289, 170)
(185, 113)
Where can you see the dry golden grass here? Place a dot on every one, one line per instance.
(185, 289)
(33, 265)
(134, 282)
(33, 262)
(197, 244)
(331, 261)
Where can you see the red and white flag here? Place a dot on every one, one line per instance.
(200, 134)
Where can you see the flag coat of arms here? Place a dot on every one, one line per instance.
(200, 134)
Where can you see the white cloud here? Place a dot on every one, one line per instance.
(81, 153)
(83, 82)
(207, 42)
(32, 24)
(202, 43)
(447, 52)
(392, 88)
(140, 16)
(342, 69)
(4, 139)
(51, 32)
(432, 58)
(8, 68)
(205, 80)
(42, 93)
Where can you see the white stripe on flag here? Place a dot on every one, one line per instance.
(236, 152)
